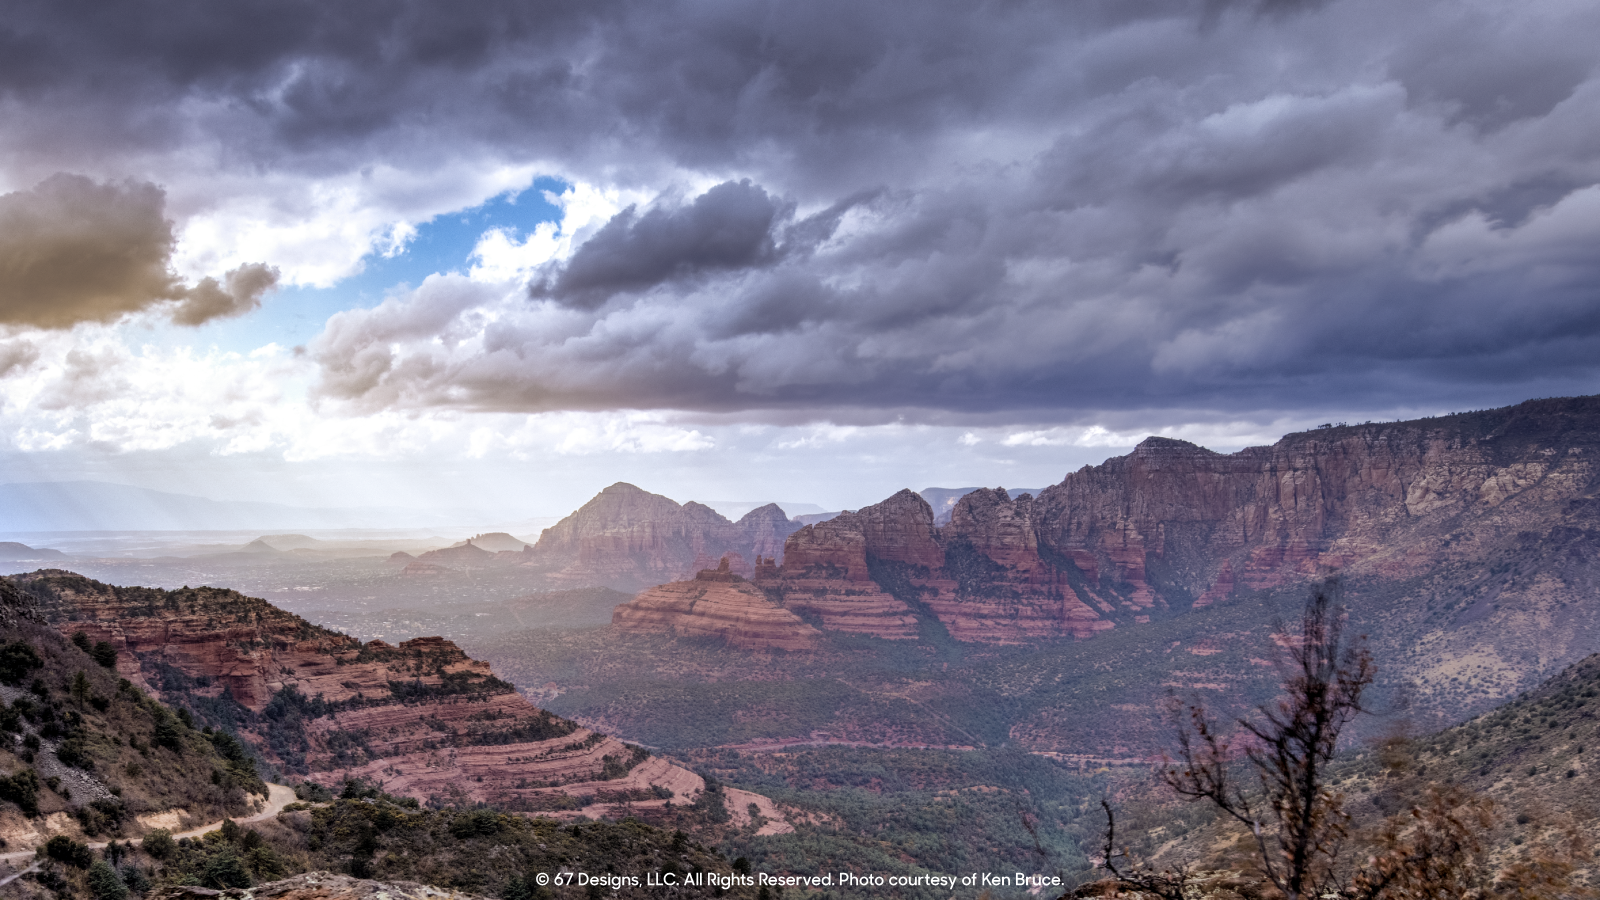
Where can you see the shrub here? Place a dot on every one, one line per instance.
(17, 660)
(168, 732)
(105, 883)
(484, 822)
(64, 849)
(74, 751)
(105, 655)
(159, 843)
(224, 869)
(101, 815)
(23, 790)
(135, 879)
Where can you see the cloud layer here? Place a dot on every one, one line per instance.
(1035, 211)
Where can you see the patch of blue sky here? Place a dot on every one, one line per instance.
(293, 315)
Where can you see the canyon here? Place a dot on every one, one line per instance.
(1466, 547)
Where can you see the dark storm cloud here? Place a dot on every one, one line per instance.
(728, 227)
(1025, 206)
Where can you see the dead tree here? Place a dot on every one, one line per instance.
(1297, 820)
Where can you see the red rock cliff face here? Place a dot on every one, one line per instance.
(422, 717)
(825, 574)
(720, 604)
(1173, 525)
(628, 539)
(1006, 590)
(1358, 498)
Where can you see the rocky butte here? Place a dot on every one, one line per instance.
(422, 717)
(628, 539)
(716, 603)
(1488, 521)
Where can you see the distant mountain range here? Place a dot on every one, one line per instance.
(104, 506)
(12, 551)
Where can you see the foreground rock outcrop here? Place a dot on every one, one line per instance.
(422, 717)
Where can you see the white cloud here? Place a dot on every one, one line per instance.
(317, 230)
(499, 256)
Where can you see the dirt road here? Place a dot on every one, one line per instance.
(278, 796)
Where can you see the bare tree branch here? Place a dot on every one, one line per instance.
(1298, 823)
(1170, 884)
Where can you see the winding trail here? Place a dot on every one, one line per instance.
(278, 796)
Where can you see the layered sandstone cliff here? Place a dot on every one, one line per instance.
(825, 571)
(716, 603)
(1376, 497)
(1173, 525)
(981, 576)
(422, 717)
(628, 539)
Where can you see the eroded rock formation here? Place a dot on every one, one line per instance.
(422, 717)
(716, 603)
(825, 573)
(1173, 525)
(628, 539)
(466, 554)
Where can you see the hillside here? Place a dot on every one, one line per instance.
(1527, 762)
(1533, 758)
(716, 603)
(422, 717)
(367, 835)
(11, 551)
(84, 753)
(367, 844)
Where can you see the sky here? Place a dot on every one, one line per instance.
(500, 255)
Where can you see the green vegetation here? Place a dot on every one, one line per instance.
(134, 755)
(1533, 758)
(17, 661)
(367, 833)
(907, 812)
(450, 684)
(685, 715)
